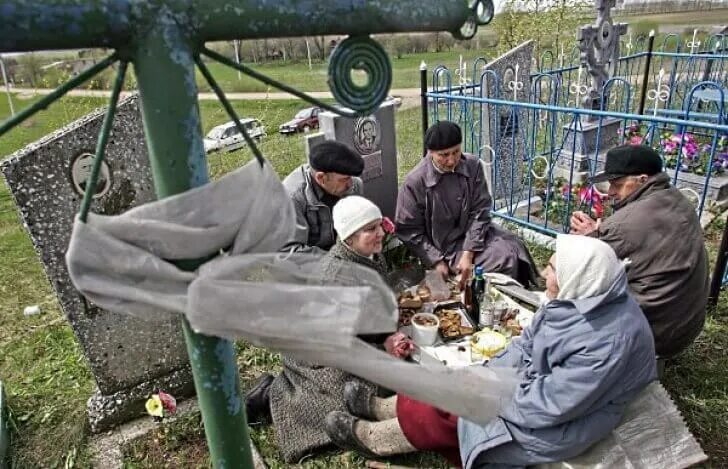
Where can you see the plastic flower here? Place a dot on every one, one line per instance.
(168, 402)
(635, 140)
(154, 406)
(589, 195)
(387, 225)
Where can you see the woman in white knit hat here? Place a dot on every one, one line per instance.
(301, 396)
(587, 353)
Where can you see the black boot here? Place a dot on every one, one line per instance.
(358, 398)
(257, 401)
(340, 428)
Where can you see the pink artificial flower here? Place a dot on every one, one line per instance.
(168, 402)
(690, 150)
(669, 146)
(589, 195)
(635, 140)
(387, 225)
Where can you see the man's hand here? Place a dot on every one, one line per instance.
(465, 267)
(583, 224)
(443, 269)
(399, 345)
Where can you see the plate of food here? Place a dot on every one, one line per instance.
(454, 321)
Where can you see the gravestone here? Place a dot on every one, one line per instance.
(504, 126)
(128, 357)
(588, 139)
(375, 139)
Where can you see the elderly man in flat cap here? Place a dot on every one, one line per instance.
(443, 213)
(657, 229)
(332, 173)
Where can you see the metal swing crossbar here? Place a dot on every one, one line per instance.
(164, 40)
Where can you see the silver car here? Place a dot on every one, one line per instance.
(226, 136)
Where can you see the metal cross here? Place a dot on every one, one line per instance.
(660, 93)
(694, 44)
(515, 85)
(577, 88)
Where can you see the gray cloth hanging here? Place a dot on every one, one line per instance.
(276, 300)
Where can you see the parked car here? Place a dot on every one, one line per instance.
(303, 121)
(227, 137)
(395, 100)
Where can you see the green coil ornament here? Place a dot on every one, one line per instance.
(364, 54)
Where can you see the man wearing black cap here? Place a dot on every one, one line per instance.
(657, 229)
(443, 213)
(315, 187)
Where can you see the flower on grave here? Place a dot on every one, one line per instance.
(160, 405)
(387, 225)
(168, 402)
(585, 198)
(154, 406)
(636, 140)
(590, 196)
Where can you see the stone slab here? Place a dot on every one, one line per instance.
(502, 125)
(586, 137)
(45, 179)
(374, 138)
(106, 411)
(107, 450)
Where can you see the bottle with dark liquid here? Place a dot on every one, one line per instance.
(477, 289)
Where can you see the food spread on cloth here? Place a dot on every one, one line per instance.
(460, 342)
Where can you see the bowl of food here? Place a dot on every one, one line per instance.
(424, 329)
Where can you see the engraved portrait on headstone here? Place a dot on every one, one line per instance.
(81, 170)
(366, 135)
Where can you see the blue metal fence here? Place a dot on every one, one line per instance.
(539, 151)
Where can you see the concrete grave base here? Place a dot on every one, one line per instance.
(107, 449)
(105, 411)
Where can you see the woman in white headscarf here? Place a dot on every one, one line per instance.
(587, 353)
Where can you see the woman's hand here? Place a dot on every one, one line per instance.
(399, 345)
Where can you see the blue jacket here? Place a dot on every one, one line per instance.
(580, 363)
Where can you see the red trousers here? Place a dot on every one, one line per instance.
(428, 428)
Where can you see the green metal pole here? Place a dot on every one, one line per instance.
(165, 73)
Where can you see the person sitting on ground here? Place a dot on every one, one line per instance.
(657, 229)
(443, 213)
(315, 187)
(301, 396)
(587, 353)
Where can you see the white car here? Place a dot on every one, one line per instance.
(395, 100)
(227, 137)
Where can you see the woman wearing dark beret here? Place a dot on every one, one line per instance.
(443, 213)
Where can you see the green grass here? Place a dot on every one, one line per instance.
(48, 381)
(686, 18)
(406, 72)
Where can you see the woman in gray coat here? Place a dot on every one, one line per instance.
(587, 353)
(304, 393)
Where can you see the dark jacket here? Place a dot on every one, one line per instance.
(439, 215)
(314, 223)
(658, 230)
(580, 363)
